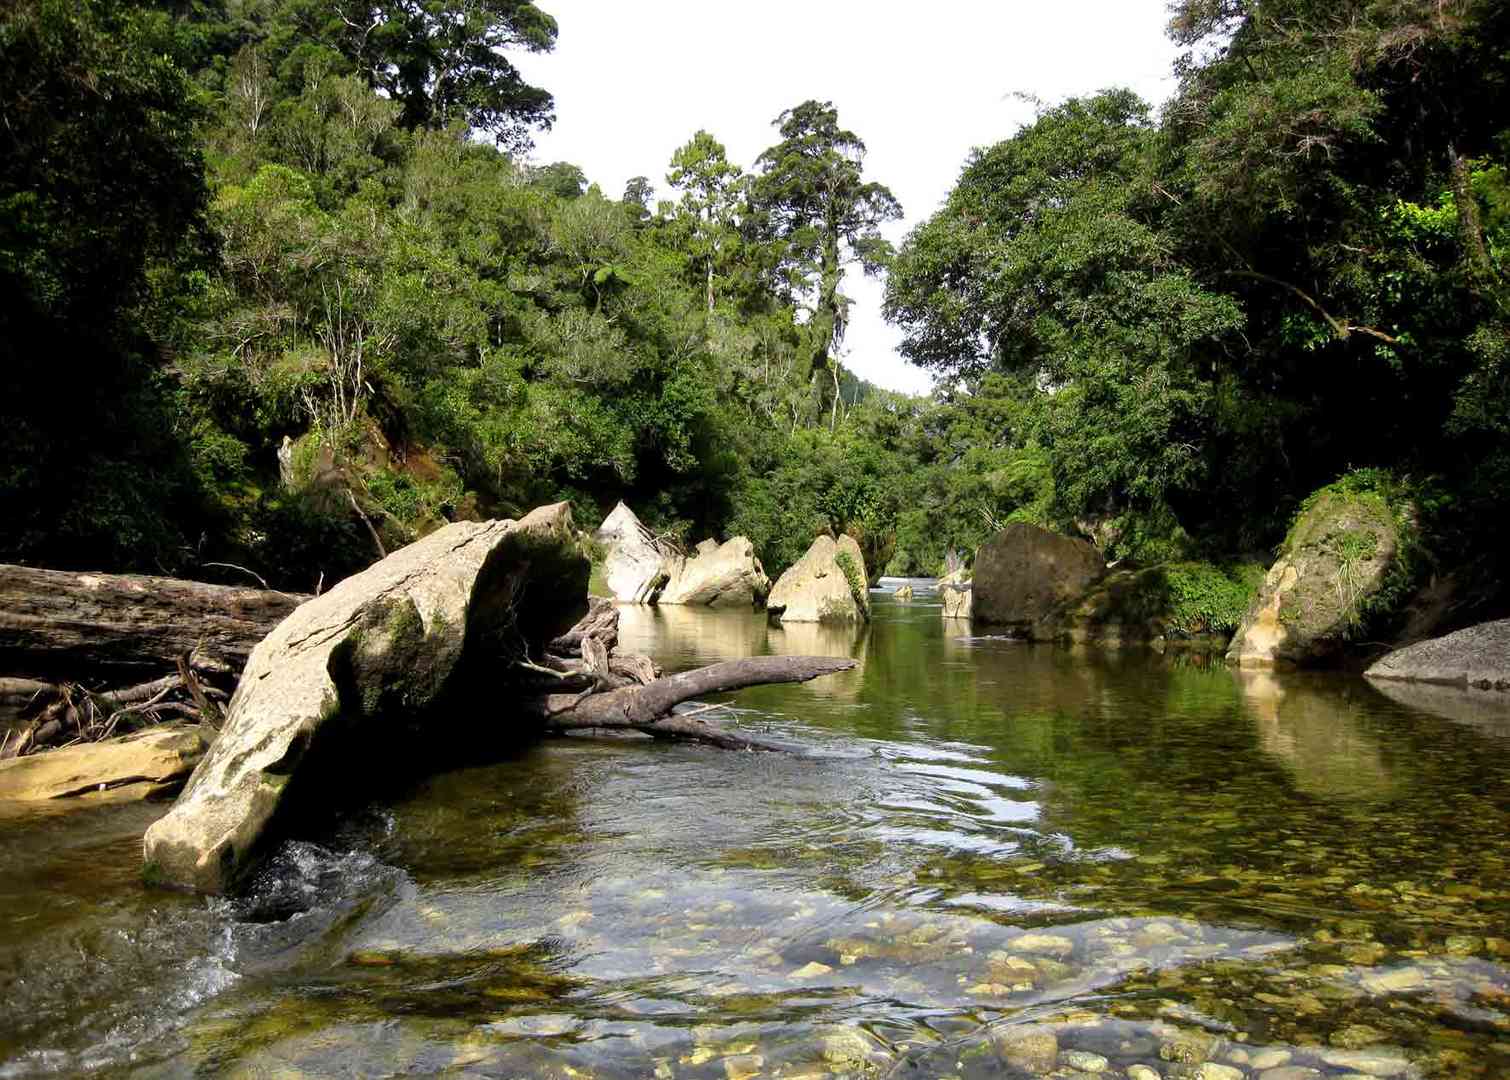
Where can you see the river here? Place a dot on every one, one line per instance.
(990, 854)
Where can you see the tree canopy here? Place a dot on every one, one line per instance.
(268, 287)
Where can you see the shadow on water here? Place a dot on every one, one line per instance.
(1151, 859)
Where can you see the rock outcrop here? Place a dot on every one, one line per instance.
(1023, 573)
(957, 592)
(720, 575)
(149, 764)
(828, 584)
(1477, 658)
(344, 683)
(904, 594)
(637, 568)
(1334, 561)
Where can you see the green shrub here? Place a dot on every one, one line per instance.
(1211, 598)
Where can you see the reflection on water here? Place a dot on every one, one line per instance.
(998, 859)
(1317, 729)
(1489, 711)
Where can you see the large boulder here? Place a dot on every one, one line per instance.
(828, 584)
(719, 575)
(1477, 658)
(637, 567)
(957, 592)
(354, 680)
(149, 764)
(1336, 559)
(1023, 573)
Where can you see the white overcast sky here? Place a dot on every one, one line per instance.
(920, 83)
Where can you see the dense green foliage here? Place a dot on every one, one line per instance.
(271, 294)
(1296, 271)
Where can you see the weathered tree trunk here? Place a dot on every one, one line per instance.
(68, 625)
(648, 708)
(1477, 266)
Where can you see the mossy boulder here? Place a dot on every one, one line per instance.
(1340, 567)
(828, 584)
(1024, 573)
(356, 682)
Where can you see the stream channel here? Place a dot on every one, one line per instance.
(994, 859)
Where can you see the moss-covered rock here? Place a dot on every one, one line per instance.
(1342, 566)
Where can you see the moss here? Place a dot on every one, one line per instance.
(857, 585)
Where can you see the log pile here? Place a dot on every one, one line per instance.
(585, 683)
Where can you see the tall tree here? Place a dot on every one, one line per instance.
(712, 190)
(443, 61)
(813, 197)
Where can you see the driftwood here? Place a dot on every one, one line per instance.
(606, 690)
(69, 712)
(64, 625)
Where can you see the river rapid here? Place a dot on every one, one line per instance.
(993, 859)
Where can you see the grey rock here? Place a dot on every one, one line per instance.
(1369, 1062)
(1478, 658)
(1031, 1048)
(957, 592)
(359, 669)
(637, 567)
(1085, 1061)
(726, 575)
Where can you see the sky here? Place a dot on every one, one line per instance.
(921, 83)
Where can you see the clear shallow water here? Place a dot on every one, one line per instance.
(1146, 859)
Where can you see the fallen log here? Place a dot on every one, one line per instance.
(648, 708)
(67, 625)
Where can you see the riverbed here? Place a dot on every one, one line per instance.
(990, 859)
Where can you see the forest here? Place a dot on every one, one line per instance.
(283, 291)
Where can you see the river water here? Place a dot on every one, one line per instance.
(993, 859)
